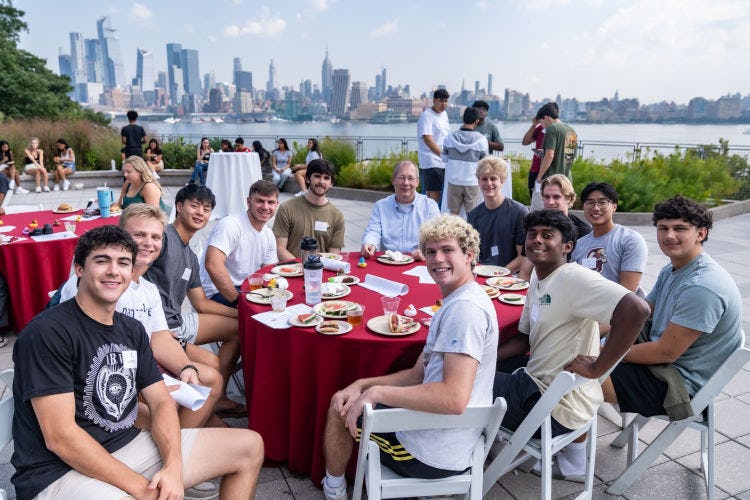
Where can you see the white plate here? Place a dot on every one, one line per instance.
(6, 229)
(380, 325)
(56, 211)
(512, 299)
(324, 308)
(385, 260)
(339, 290)
(508, 283)
(492, 292)
(342, 278)
(263, 295)
(289, 270)
(344, 327)
(328, 255)
(295, 322)
(489, 271)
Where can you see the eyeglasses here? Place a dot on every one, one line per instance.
(402, 178)
(598, 203)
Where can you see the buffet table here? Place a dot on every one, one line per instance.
(33, 269)
(290, 374)
(229, 177)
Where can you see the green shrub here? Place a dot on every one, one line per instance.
(179, 154)
(336, 151)
(372, 174)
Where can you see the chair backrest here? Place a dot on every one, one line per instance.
(6, 410)
(720, 379)
(6, 200)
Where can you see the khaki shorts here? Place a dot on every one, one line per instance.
(466, 196)
(141, 455)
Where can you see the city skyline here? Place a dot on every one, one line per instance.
(586, 49)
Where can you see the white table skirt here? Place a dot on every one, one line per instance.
(230, 176)
(507, 191)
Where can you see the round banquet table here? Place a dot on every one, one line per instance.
(33, 269)
(290, 374)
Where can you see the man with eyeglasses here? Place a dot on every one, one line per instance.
(395, 220)
(615, 251)
(432, 129)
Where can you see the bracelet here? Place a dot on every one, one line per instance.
(190, 367)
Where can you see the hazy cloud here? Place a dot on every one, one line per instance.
(386, 29)
(483, 5)
(265, 25)
(319, 4)
(141, 11)
(189, 28)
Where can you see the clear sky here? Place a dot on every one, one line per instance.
(650, 49)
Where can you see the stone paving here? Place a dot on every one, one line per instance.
(676, 474)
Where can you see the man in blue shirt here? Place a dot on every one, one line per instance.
(395, 220)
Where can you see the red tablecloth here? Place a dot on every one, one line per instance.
(290, 375)
(32, 269)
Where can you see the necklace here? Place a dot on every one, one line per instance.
(91, 315)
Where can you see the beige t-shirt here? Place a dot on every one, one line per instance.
(298, 217)
(560, 316)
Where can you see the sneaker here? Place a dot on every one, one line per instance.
(66, 185)
(46, 189)
(39, 189)
(54, 188)
(21, 190)
(334, 493)
(12, 184)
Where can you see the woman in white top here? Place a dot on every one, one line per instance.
(281, 160)
(34, 164)
(65, 164)
(313, 153)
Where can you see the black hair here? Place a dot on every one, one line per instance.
(103, 236)
(201, 194)
(226, 142)
(680, 207)
(239, 140)
(315, 146)
(550, 109)
(440, 94)
(155, 141)
(258, 147)
(320, 167)
(132, 115)
(607, 190)
(554, 219)
(283, 141)
(471, 115)
(481, 104)
(63, 142)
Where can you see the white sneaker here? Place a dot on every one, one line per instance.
(12, 184)
(21, 190)
(66, 185)
(334, 493)
(46, 189)
(54, 188)
(39, 189)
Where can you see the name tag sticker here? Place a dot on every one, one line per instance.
(321, 225)
(534, 312)
(494, 251)
(186, 274)
(589, 262)
(129, 360)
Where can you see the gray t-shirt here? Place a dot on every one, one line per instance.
(467, 324)
(621, 249)
(701, 296)
(174, 272)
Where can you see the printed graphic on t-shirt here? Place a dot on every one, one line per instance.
(595, 259)
(110, 394)
(571, 148)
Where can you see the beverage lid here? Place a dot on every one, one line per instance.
(313, 262)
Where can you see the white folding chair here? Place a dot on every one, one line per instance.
(8, 197)
(522, 445)
(702, 402)
(20, 209)
(384, 483)
(6, 417)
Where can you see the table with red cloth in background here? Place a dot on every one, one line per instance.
(32, 269)
(291, 374)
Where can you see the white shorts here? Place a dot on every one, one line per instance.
(187, 332)
(140, 455)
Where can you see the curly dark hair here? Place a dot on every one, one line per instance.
(554, 219)
(680, 207)
(103, 236)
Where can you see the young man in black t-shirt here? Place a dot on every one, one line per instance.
(133, 136)
(79, 369)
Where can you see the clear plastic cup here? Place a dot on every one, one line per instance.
(278, 301)
(70, 227)
(354, 316)
(255, 281)
(390, 305)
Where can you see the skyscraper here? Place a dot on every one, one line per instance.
(327, 80)
(489, 84)
(191, 76)
(66, 68)
(271, 84)
(236, 68)
(114, 71)
(340, 97)
(174, 65)
(77, 58)
(359, 94)
(244, 80)
(383, 83)
(144, 70)
(94, 61)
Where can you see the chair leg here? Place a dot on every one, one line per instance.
(647, 457)
(546, 460)
(588, 487)
(708, 448)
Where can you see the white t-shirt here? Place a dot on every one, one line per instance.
(247, 249)
(560, 316)
(436, 125)
(311, 155)
(140, 301)
(467, 324)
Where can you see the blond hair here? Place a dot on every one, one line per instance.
(140, 166)
(142, 211)
(493, 165)
(451, 227)
(566, 187)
